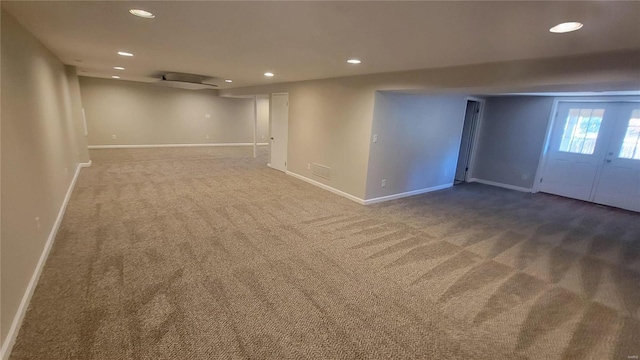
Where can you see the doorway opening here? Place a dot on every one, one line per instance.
(469, 130)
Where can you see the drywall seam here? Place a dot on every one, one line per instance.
(26, 298)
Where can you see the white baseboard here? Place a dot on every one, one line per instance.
(327, 187)
(506, 186)
(12, 334)
(405, 194)
(368, 201)
(169, 145)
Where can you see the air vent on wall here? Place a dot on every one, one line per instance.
(186, 81)
(321, 171)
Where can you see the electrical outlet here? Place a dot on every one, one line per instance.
(207, 136)
(375, 138)
(308, 166)
(208, 116)
(263, 137)
(384, 182)
(38, 222)
(113, 137)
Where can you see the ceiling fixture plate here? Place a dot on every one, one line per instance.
(186, 81)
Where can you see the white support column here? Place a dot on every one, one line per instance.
(255, 126)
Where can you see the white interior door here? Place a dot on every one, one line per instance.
(576, 149)
(619, 181)
(279, 130)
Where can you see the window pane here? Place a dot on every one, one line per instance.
(581, 130)
(631, 144)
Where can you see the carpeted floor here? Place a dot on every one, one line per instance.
(205, 253)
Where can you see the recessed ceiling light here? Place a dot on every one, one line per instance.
(228, 80)
(566, 27)
(115, 77)
(142, 13)
(123, 53)
(118, 67)
(354, 61)
(268, 74)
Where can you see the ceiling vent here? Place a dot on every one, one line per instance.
(187, 81)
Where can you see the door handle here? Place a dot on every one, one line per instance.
(271, 138)
(608, 160)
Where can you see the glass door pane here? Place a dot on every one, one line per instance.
(619, 181)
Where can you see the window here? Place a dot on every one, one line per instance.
(631, 144)
(581, 131)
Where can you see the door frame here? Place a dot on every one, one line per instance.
(286, 166)
(476, 135)
(552, 118)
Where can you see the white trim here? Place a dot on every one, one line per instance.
(10, 340)
(405, 194)
(368, 201)
(255, 126)
(476, 135)
(271, 166)
(87, 164)
(169, 145)
(327, 187)
(506, 186)
(542, 161)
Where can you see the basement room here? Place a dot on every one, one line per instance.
(320, 180)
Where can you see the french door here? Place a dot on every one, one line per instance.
(594, 153)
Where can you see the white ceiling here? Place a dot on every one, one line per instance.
(312, 40)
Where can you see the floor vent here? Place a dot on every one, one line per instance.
(321, 171)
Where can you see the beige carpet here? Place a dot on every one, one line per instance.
(205, 253)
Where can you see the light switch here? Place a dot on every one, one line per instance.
(375, 138)
(208, 116)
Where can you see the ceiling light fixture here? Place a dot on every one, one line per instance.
(123, 53)
(115, 77)
(142, 13)
(566, 27)
(118, 68)
(228, 81)
(268, 74)
(354, 61)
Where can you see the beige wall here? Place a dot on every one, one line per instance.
(330, 120)
(263, 120)
(144, 114)
(418, 138)
(40, 153)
